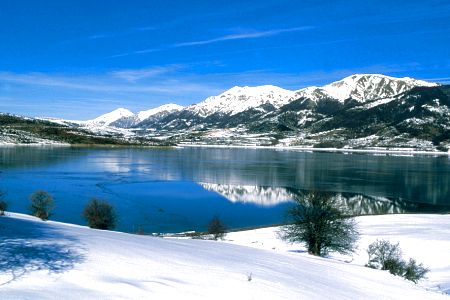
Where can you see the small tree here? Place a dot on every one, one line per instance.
(3, 203)
(100, 214)
(414, 272)
(216, 228)
(42, 204)
(318, 222)
(386, 256)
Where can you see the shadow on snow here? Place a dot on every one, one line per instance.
(27, 246)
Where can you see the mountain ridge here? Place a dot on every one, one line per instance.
(359, 111)
(363, 87)
(359, 87)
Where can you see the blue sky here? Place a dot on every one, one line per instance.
(78, 59)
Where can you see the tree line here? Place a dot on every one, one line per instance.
(98, 213)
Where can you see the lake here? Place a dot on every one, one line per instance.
(173, 190)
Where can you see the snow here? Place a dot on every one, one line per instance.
(425, 238)
(363, 87)
(145, 114)
(378, 102)
(56, 120)
(51, 260)
(239, 99)
(442, 110)
(371, 150)
(10, 137)
(111, 117)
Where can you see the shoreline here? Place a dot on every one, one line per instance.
(190, 233)
(381, 151)
(408, 151)
(64, 145)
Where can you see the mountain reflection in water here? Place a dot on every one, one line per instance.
(171, 190)
(355, 204)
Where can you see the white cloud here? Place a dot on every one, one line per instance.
(138, 74)
(107, 83)
(247, 35)
(229, 37)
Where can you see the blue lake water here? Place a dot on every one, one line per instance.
(159, 190)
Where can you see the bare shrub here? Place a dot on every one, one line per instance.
(100, 214)
(216, 228)
(386, 256)
(41, 204)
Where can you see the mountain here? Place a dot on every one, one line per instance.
(239, 105)
(163, 109)
(242, 105)
(231, 102)
(111, 117)
(214, 110)
(155, 114)
(417, 118)
(359, 111)
(123, 118)
(21, 130)
(238, 99)
(362, 88)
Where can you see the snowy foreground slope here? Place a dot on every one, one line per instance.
(425, 238)
(50, 260)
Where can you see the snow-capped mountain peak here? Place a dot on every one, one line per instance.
(259, 101)
(238, 99)
(171, 107)
(111, 117)
(124, 118)
(363, 87)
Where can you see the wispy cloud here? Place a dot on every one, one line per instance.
(284, 46)
(246, 35)
(61, 95)
(136, 52)
(89, 83)
(100, 83)
(439, 79)
(129, 31)
(229, 37)
(138, 74)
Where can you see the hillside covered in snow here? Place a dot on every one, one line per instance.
(50, 260)
(17, 130)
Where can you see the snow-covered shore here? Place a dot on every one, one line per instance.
(395, 151)
(381, 151)
(51, 260)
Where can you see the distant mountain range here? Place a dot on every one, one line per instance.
(123, 118)
(359, 111)
(361, 88)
